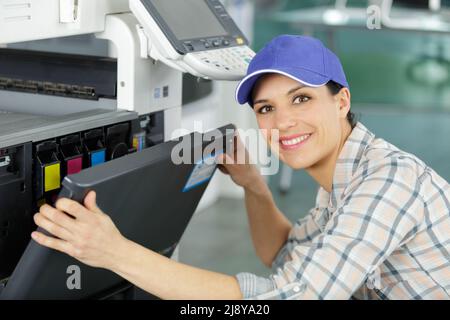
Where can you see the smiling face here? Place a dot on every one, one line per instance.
(311, 122)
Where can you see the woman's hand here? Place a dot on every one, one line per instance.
(239, 167)
(83, 232)
(89, 235)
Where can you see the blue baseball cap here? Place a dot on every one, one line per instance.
(304, 59)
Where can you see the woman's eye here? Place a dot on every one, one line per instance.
(265, 109)
(300, 99)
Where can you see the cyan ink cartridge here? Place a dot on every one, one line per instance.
(94, 147)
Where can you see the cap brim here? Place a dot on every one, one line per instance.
(305, 77)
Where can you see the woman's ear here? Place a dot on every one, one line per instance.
(344, 98)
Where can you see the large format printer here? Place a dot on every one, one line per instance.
(63, 112)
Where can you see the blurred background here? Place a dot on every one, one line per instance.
(399, 76)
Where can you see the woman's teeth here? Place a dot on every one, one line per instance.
(295, 140)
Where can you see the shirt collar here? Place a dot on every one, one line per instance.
(346, 164)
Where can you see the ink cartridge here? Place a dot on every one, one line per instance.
(48, 168)
(71, 155)
(139, 141)
(94, 147)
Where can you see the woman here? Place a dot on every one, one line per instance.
(380, 227)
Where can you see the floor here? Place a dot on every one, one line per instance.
(218, 237)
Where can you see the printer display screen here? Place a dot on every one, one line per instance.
(189, 19)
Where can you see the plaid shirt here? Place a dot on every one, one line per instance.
(382, 233)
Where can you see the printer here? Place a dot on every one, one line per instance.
(62, 112)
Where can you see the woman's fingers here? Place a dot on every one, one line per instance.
(52, 227)
(72, 208)
(53, 243)
(241, 155)
(57, 217)
(90, 201)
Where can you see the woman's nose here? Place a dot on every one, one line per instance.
(284, 120)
